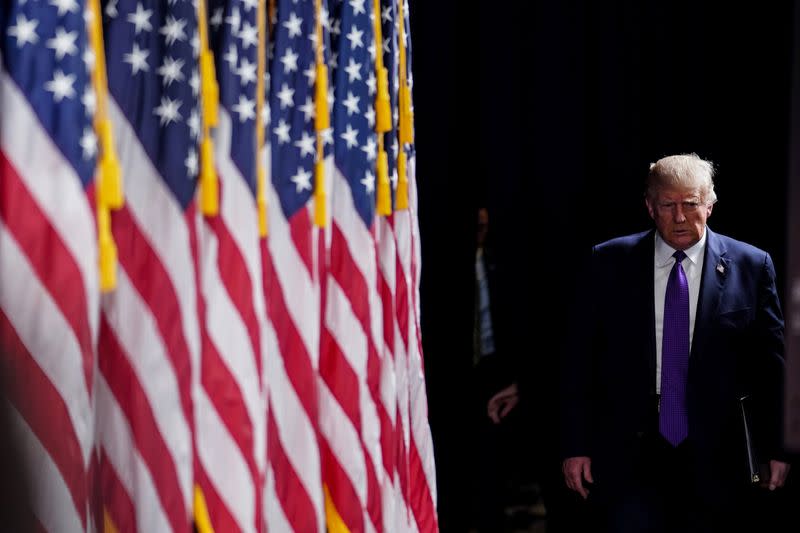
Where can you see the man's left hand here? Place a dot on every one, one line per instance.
(778, 471)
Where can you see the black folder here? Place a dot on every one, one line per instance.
(756, 469)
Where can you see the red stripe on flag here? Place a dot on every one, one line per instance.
(341, 489)
(236, 278)
(222, 520)
(401, 457)
(374, 503)
(133, 401)
(152, 282)
(421, 499)
(294, 499)
(349, 277)
(292, 346)
(49, 257)
(116, 501)
(401, 303)
(340, 377)
(39, 403)
(224, 393)
(301, 230)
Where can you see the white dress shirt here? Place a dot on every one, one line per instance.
(662, 265)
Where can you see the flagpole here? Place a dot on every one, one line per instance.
(109, 174)
(322, 121)
(261, 170)
(209, 186)
(406, 126)
(383, 118)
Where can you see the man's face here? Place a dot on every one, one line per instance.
(680, 215)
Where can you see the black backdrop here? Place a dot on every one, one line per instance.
(549, 113)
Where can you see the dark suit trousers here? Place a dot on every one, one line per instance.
(663, 495)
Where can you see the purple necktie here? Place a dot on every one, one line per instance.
(672, 418)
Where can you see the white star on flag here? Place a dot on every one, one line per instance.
(351, 103)
(370, 148)
(302, 180)
(172, 30)
(61, 85)
(231, 56)
(282, 131)
(311, 74)
(88, 143)
(245, 108)
(137, 59)
(350, 135)
(64, 6)
(368, 181)
(89, 100)
(141, 19)
(249, 35)
(216, 18)
(111, 9)
(371, 83)
(308, 109)
(235, 20)
(289, 61)
(286, 96)
(353, 70)
(358, 6)
(247, 71)
(171, 70)
(24, 31)
(191, 162)
(194, 123)
(354, 37)
(306, 145)
(168, 110)
(293, 25)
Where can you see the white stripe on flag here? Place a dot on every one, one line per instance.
(134, 475)
(297, 435)
(238, 207)
(138, 335)
(49, 339)
(51, 500)
(227, 331)
(159, 217)
(230, 475)
(55, 186)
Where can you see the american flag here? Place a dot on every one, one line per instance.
(422, 469)
(393, 290)
(416, 464)
(291, 281)
(49, 294)
(231, 413)
(149, 349)
(351, 410)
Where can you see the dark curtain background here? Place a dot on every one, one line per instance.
(549, 113)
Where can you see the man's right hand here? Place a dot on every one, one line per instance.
(576, 470)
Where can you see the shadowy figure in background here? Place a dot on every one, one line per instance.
(674, 325)
(514, 390)
(489, 464)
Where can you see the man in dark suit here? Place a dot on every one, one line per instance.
(677, 324)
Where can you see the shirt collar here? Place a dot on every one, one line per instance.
(663, 252)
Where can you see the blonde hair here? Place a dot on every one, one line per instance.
(684, 170)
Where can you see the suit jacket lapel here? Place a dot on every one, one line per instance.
(712, 284)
